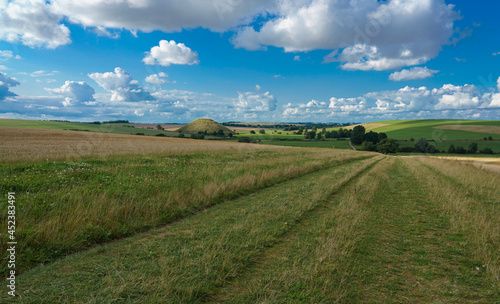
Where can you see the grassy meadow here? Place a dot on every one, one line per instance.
(116, 128)
(143, 219)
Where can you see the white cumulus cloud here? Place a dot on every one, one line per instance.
(412, 74)
(75, 92)
(33, 23)
(158, 79)
(364, 34)
(254, 102)
(169, 52)
(121, 85)
(167, 16)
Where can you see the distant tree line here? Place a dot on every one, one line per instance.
(320, 135)
(288, 127)
(422, 146)
(201, 135)
(94, 122)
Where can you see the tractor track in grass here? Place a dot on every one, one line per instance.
(154, 232)
(158, 232)
(413, 254)
(198, 255)
(241, 284)
(398, 244)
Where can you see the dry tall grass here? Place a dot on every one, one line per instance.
(25, 144)
(470, 197)
(69, 205)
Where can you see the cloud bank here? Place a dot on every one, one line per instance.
(362, 34)
(405, 102)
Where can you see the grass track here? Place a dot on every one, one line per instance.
(74, 205)
(190, 260)
(312, 264)
(402, 231)
(410, 253)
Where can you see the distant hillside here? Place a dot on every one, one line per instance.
(438, 129)
(204, 125)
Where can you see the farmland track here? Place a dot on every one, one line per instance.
(244, 282)
(413, 254)
(231, 222)
(378, 230)
(289, 172)
(160, 231)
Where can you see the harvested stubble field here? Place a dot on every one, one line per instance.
(255, 225)
(27, 144)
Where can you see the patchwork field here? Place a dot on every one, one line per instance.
(163, 220)
(436, 129)
(472, 128)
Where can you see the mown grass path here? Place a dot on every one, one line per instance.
(384, 238)
(410, 254)
(376, 230)
(190, 260)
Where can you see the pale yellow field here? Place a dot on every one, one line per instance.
(472, 128)
(369, 126)
(491, 164)
(37, 144)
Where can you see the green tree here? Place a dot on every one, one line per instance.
(472, 148)
(220, 133)
(358, 135)
(372, 137)
(387, 145)
(159, 127)
(252, 132)
(310, 135)
(451, 149)
(368, 146)
(431, 149)
(486, 151)
(319, 136)
(460, 150)
(381, 136)
(421, 145)
(262, 131)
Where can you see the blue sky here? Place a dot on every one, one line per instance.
(231, 60)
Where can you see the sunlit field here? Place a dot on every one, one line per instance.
(165, 220)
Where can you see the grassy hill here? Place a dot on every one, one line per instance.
(204, 125)
(437, 129)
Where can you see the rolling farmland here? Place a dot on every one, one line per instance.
(165, 220)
